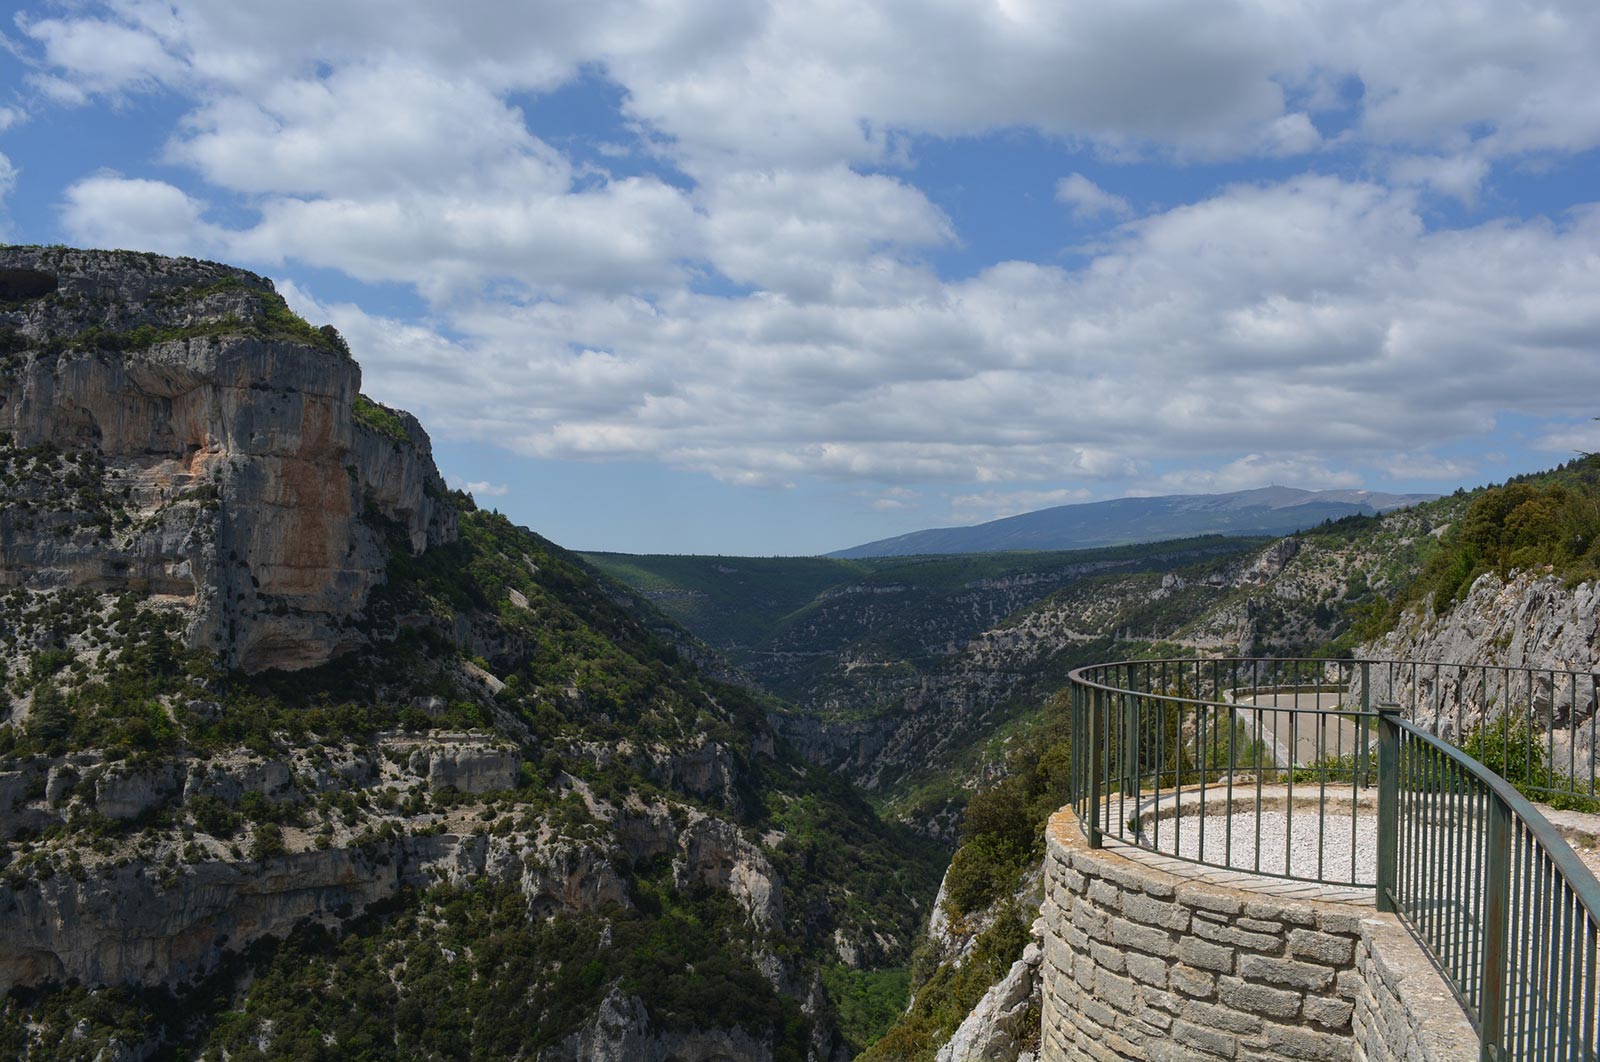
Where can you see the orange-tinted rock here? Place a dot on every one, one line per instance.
(232, 432)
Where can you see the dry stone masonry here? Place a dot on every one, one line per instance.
(1142, 964)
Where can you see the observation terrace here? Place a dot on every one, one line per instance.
(1326, 859)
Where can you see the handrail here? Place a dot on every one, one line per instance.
(1586, 885)
(1462, 857)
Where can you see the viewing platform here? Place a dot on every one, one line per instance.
(1283, 859)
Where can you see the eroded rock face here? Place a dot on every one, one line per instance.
(713, 853)
(129, 923)
(621, 1031)
(1531, 620)
(469, 763)
(232, 474)
(1004, 1018)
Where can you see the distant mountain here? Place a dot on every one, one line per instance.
(1263, 511)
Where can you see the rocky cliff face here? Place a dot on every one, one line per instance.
(1528, 620)
(212, 449)
(276, 708)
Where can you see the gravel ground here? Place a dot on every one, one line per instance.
(1279, 835)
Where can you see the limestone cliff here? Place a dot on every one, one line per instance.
(301, 752)
(227, 472)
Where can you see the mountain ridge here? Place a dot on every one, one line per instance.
(1261, 511)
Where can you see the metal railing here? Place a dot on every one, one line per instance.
(1223, 762)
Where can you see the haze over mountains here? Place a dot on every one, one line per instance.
(1262, 511)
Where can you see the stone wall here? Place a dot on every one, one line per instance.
(1143, 964)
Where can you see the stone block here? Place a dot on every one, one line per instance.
(1116, 990)
(1239, 938)
(1105, 894)
(1213, 1016)
(1192, 982)
(1134, 878)
(1144, 938)
(1142, 908)
(1108, 957)
(1147, 969)
(1288, 911)
(1328, 1013)
(1257, 925)
(1206, 898)
(1258, 998)
(1341, 922)
(1321, 947)
(1351, 984)
(1206, 955)
(1288, 973)
(1217, 1044)
(1088, 918)
(1308, 1044)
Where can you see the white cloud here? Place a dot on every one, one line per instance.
(1258, 470)
(109, 210)
(801, 233)
(99, 56)
(808, 83)
(993, 504)
(1570, 439)
(1421, 465)
(1315, 323)
(1088, 200)
(483, 488)
(1460, 177)
(891, 499)
(367, 129)
(8, 182)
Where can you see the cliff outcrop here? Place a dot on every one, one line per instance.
(170, 428)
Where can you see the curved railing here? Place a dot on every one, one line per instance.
(1224, 762)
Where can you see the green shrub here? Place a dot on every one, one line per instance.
(380, 418)
(267, 842)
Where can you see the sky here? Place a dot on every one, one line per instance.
(731, 276)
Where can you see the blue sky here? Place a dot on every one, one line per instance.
(730, 276)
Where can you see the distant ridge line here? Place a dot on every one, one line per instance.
(1268, 511)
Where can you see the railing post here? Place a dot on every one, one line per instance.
(1132, 751)
(1496, 921)
(1364, 754)
(1097, 736)
(1388, 801)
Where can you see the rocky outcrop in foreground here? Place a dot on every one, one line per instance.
(227, 472)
